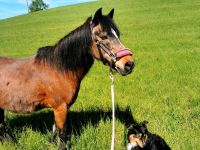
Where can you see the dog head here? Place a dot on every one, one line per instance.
(138, 134)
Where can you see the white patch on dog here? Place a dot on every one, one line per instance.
(131, 145)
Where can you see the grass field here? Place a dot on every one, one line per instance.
(163, 89)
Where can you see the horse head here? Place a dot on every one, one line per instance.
(107, 46)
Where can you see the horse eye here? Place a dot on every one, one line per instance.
(104, 37)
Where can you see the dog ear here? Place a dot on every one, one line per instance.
(129, 127)
(144, 123)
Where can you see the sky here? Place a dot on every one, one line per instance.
(11, 8)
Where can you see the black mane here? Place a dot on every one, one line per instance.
(72, 51)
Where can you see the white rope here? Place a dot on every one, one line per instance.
(113, 111)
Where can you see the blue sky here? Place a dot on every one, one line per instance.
(10, 8)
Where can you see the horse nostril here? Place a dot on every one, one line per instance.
(129, 66)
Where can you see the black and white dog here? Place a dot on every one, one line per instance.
(141, 139)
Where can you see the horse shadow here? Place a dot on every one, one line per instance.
(42, 121)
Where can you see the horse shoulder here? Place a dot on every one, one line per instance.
(55, 87)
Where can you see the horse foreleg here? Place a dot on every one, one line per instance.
(60, 115)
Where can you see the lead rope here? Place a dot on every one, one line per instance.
(113, 110)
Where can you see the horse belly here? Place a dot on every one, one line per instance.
(20, 105)
(19, 99)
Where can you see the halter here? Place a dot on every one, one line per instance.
(113, 56)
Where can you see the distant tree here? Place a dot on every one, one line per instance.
(37, 5)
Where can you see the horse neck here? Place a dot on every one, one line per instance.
(72, 54)
(74, 51)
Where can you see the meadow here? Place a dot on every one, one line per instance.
(164, 88)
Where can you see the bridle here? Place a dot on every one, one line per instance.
(107, 50)
(114, 56)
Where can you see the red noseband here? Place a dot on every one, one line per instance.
(113, 55)
(123, 52)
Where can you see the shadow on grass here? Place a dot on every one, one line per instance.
(79, 120)
(42, 121)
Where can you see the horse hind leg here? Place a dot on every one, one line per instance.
(3, 132)
(2, 124)
(1, 116)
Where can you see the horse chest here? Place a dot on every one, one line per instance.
(63, 93)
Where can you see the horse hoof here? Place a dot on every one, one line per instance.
(62, 147)
(53, 139)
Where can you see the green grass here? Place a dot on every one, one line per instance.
(163, 89)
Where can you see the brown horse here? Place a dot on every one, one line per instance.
(52, 77)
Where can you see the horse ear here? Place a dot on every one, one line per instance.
(97, 16)
(111, 13)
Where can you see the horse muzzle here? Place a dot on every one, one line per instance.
(124, 69)
(124, 64)
(121, 59)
